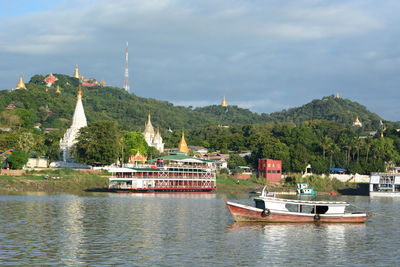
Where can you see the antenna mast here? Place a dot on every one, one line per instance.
(126, 79)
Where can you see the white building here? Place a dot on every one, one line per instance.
(152, 138)
(70, 136)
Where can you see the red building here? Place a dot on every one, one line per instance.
(270, 169)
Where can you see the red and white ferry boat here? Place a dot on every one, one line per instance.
(172, 173)
(271, 209)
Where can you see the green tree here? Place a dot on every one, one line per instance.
(270, 147)
(235, 160)
(134, 142)
(52, 144)
(98, 144)
(26, 142)
(17, 160)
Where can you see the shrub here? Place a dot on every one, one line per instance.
(224, 171)
(17, 160)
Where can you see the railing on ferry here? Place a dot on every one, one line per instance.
(172, 166)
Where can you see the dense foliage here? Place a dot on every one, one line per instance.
(98, 144)
(53, 108)
(17, 160)
(319, 133)
(323, 144)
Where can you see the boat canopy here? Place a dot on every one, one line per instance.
(303, 202)
(121, 170)
(384, 178)
(337, 170)
(181, 157)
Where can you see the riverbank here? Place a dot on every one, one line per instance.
(75, 181)
(56, 181)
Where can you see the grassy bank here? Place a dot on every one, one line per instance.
(66, 180)
(61, 180)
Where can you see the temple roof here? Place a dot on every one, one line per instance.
(182, 147)
(21, 84)
(357, 122)
(76, 72)
(158, 136)
(79, 118)
(224, 103)
(50, 78)
(149, 127)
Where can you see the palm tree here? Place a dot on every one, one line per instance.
(368, 145)
(333, 150)
(325, 143)
(357, 144)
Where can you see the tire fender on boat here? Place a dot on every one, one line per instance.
(317, 217)
(265, 213)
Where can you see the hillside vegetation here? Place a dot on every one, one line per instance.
(319, 133)
(40, 104)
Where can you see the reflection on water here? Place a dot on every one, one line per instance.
(182, 230)
(71, 233)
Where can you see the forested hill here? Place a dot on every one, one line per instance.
(52, 109)
(329, 108)
(232, 115)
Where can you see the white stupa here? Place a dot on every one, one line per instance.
(152, 138)
(70, 136)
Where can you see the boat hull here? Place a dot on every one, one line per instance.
(243, 213)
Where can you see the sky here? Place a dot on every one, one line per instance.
(264, 55)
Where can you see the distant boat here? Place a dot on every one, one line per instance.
(304, 189)
(384, 184)
(270, 209)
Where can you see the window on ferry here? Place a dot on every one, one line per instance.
(321, 209)
(291, 207)
(306, 209)
(259, 204)
(386, 180)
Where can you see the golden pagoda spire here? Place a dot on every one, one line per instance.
(20, 84)
(182, 147)
(223, 103)
(58, 89)
(76, 72)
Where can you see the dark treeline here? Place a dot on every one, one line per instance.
(323, 144)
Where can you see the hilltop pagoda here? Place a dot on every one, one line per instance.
(357, 122)
(50, 79)
(20, 84)
(224, 103)
(76, 72)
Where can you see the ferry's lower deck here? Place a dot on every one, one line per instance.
(161, 185)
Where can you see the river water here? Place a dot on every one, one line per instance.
(184, 230)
